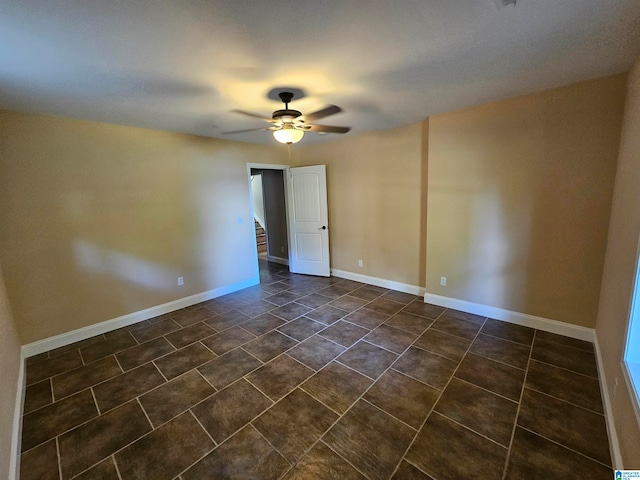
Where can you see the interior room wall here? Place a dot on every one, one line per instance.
(374, 188)
(619, 272)
(99, 220)
(9, 373)
(519, 196)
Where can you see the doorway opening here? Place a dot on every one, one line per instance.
(268, 203)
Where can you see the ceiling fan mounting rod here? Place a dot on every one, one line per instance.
(286, 98)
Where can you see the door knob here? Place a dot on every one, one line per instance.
(324, 227)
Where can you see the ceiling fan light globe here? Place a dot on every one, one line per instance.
(288, 135)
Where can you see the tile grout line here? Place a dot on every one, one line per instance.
(435, 403)
(59, 457)
(566, 369)
(515, 422)
(215, 444)
(555, 442)
(566, 401)
(116, 465)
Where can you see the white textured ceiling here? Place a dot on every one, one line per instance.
(183, 65)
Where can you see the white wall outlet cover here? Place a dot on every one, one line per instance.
(180, 281)
(359, 263)
(443, 281)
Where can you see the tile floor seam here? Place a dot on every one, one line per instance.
(215, 444)
(515, 422)
(418, 380)
(113, 457)
(564, 446)
(487, 390)
(564, 401)
(435, 403)
(145, 414)
(508, 340)
(569, 346)
(566, 369)
(157, 368)
(497, 361)
(342, 458)
(269, 442)
(273, 402)
(95, 400)
(205, 455)
(206, 380)
(390, 414)
(59, 457)
(435, 327)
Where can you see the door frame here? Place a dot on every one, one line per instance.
(269, 166)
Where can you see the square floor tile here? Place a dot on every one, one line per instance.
(278, 377)
(127, 386)
(370, 440)
(227, 320)
(337, 386)
(508, 331)
(580, 361)
(504, 351)
(344, 333)
(326, 314)
(321, 463)
(40, 463)
(188, 317)
(262, 324)
(269, 345)
(154, 330)
(56, 418)
(368, 292)
(257, 308)
(246, 455)
(143, 353)
(291, 311)
(88, 444)
(315, 352)
(284, 297)
(400, 297)
(456, 326)
(183, 360)
(490, 375)
(565, 385)
(391, 338)
(435, 341)
(294, 424)
(231, 409)
(224, 370)
(166, 451)
(105, 470)
(419, 307)
(572, 426)
(107, 347)
(186, 336)
(349, 303)
(403, 397)
(367, 359)
(448, 451)
(367, 318)
(225, 341)
(566, 341)
(409, 322)
(483, 412)
(37, 395)
(314, 300)
(384, 305)
(535, 457)
(301, 328)
(174, 397)
(427, 367)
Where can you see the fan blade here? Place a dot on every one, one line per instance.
(327, 128)
(325, 112)
(248, 130)
(249, 114)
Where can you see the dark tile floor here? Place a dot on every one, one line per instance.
(316, 378)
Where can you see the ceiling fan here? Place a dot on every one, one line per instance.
(288, 126)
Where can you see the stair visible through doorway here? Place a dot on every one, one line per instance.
(261, 238)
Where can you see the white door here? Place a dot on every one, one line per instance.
(308, 220)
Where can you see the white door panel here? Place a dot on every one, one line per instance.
(308, 220)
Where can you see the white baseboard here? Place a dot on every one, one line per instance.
(280, 260)
(83, 333)
(540, 323)
(378, 282)
(16, 436)
(614, 445)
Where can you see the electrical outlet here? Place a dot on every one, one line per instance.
(443, 281)
(360, 263)
(180, 281)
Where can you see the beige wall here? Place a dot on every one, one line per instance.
(99, 220)
(9, 369)
(374, 188)
(519, 194)
(618, 275)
